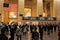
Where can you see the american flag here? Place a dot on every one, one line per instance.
(11, 8)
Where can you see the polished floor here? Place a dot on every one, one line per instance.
(52, 36)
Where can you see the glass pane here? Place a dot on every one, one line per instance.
(12, 15)
(27, 12)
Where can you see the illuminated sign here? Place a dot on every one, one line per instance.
(51, 18)
(29, 18)
(40, 18)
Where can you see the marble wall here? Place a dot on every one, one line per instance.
(56, 7)
(1, 10)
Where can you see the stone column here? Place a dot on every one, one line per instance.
(20, 9)
(51, 8)
(54, 8)
(45, 11)
(34, 8)
(1, 10)
(6, 16)
(40, 7)
(57, 9)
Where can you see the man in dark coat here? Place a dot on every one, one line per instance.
(55, 26)
(48, 29)
(2, 35)
(15, 27)
(41, 31)
(51, 27)
(35, 35)
(31, 28)
(12, 33)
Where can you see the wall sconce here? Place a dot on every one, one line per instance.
(40, 15)
(0, 14)
(20, 14)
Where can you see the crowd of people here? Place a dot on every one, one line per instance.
(36, 30)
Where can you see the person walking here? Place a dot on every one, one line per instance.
(19, 33)
(59, 34)
(12, 33)
(41, 31)
(2, 35)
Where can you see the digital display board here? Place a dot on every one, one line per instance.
(40, 18)
(29, 18)
(51, 18)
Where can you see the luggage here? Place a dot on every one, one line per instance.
(35, 36)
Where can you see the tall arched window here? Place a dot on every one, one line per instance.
(48, 7)
(27, 8)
